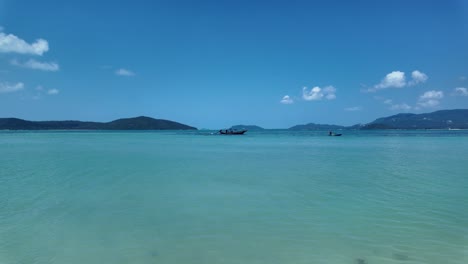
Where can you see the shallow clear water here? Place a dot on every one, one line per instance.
(265, 197)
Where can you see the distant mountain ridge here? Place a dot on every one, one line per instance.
(442, 119)
(136, 123)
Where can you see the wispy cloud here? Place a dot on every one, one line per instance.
(430, 98)
(53, 91)
(395, 106)
(287, 100)
(460, 91)
(37, 65)
(462, 78)
(40, 90)
(432, 95)
(124, 72)
(13, 44)
(429, 103)
(10, 88)
(353, 108)
(317, 93)
(400, 107)
(1, 28)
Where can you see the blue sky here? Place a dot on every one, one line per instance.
(213, 64)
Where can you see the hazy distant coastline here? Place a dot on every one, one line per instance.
(136, 123)
(443, 119)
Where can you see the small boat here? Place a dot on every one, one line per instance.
(332, 134)
(232, 132)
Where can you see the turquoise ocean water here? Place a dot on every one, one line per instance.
(265, 197)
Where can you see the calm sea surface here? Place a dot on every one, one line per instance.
(265, 197)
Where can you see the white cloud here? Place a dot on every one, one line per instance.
(9, 88)
(37, 65)
(287, 100)
(314, 94)
(432, 95)
(430, 98)
(417, 77)
(318, 93)
(402, 107)
(353, 109)
(12, 44)
(124, 72)
(388, 101)
(461, 91)
(395, 79)
(53, 91)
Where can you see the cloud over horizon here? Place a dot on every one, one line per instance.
(13, 44)
(402, 107)
(397, 79)
(460, 91)
(37, 65)
(40, 91)
(430, 98)
(317, 93)
(10, 88)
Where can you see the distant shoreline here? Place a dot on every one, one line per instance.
(136, 123)
(456, 119)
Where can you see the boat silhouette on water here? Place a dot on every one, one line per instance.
(231, 132)
(333, 134)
